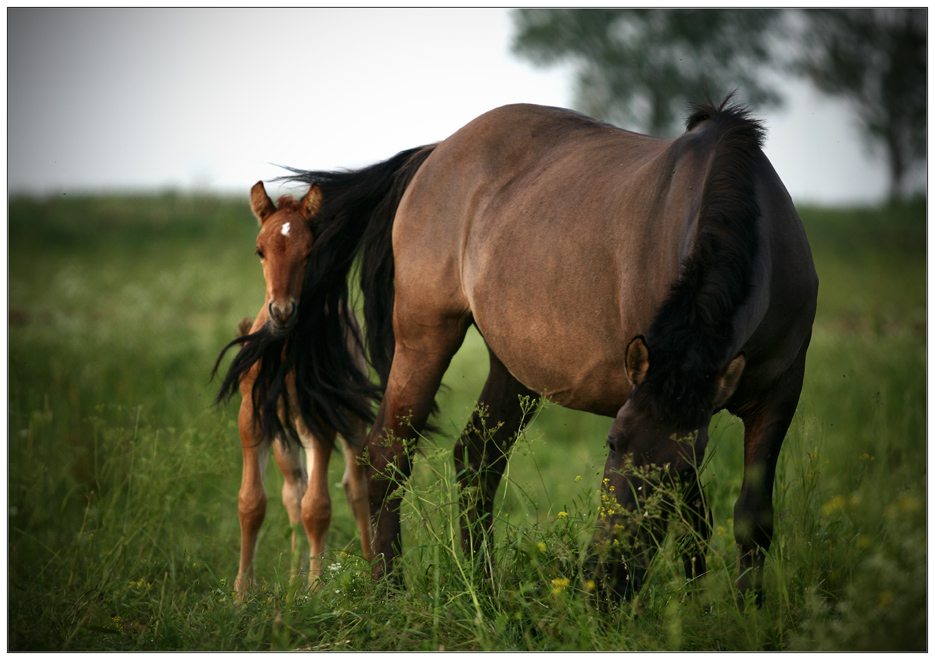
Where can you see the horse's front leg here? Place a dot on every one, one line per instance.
(766, 419)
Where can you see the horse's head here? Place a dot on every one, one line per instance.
(655, 450)
(283, 245)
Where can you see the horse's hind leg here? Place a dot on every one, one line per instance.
(289, 459)
(423, 352)
(766, 419)
(482, 451)
(355, 487)
(251, 501)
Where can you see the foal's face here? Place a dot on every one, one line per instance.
(283, 246)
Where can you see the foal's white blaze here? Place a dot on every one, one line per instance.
(285, 228)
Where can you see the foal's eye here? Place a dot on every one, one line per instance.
(259, 253)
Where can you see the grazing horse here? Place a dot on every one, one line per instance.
(652, 281)
(284, 245)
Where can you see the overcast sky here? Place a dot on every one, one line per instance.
(205, 100)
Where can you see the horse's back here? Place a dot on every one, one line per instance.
(558, 234)
(500, 214)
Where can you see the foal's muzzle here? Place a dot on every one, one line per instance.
(282, 315)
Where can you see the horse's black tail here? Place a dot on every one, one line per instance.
(355, 219)
(365, 205)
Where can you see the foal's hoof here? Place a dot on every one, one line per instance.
(242, 594)
(243, 587)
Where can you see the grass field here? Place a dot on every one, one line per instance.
(123, 479)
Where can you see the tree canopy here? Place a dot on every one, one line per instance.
(875, 59)
(642, 67)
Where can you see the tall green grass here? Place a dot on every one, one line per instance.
(123, 479)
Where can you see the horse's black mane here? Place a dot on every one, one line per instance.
(691, 334)
(355, 217)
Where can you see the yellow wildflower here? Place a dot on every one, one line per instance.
(904, 505)
(835, 503)
(559, 585)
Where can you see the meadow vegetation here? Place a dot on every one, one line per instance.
(123, 478)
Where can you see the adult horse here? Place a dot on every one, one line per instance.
(653, 281)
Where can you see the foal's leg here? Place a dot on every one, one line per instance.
(766, 420)
(355, 487)
(481, 453)
(251, 502)
(289, 459)
(423, 352)
(316, 505)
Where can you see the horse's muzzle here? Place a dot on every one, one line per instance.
(618, 557)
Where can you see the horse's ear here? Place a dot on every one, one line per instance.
(260, 203)
(312, 201)
(728, 380)
(637, 360)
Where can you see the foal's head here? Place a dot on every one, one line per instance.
(283, 245)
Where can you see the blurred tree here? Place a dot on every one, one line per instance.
(875, 59)
(641, 67)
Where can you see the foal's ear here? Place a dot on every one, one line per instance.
(260, 203)
(312, 201)
(637, 360)
(728, 380)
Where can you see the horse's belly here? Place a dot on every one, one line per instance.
(557, 302)
(559, 319)
(576, 365)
